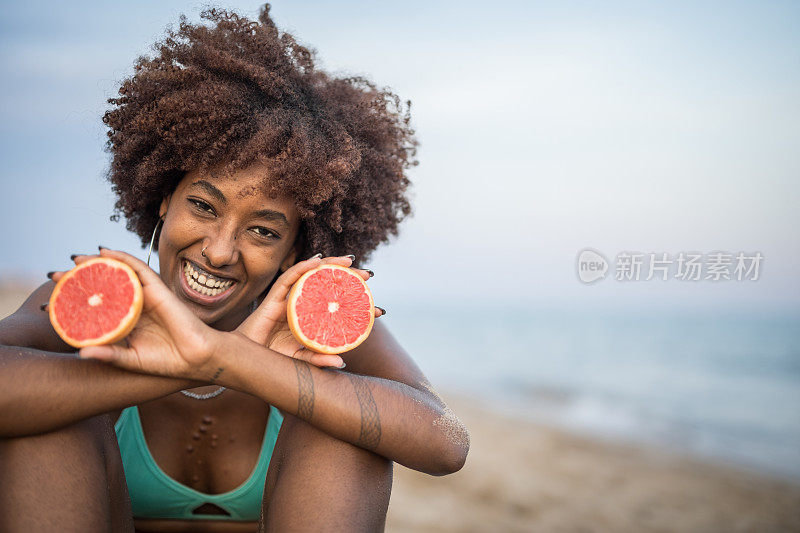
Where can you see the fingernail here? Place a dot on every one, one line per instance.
(43, 307)
(315, 256)
(99, 247)
(370, 272)
(343, 364)
(50, 275)
(383, 311)
(351, 256)
(73, 256)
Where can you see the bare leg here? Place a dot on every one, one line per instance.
(65, 480)
(316, 482)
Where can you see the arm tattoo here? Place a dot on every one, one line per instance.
(305, 385)
(213, 378)
(370, 421)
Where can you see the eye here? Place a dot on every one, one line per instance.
(263, 232)
(201, 205)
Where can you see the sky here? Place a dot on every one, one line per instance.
(545, 128)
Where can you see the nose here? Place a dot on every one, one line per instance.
(221, 249)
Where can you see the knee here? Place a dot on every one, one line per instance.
(309, 443)
(87, 435)
(75, 450)
(311, 467)
(56, 478)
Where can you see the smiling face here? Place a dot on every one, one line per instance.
(248, 238)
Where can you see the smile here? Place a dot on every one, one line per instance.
(204, 286)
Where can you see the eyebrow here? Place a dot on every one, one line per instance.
(272, 216)
(268, 214)
(210, 189)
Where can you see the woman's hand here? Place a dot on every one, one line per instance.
(168, 339)
(268, 324)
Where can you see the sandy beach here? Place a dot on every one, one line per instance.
(521, 476)
(13, 293)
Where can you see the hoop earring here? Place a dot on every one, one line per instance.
(153, 238)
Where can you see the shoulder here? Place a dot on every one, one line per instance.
(29, 326)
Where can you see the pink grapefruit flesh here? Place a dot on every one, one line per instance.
(330, 309)
(97, 302)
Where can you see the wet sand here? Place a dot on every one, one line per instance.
(521, 476)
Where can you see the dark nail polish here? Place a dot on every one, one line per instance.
(99, 247)
(370, 272)
(50, 275)
(383, 311)
(43, 307)
(73, 256)
(352, 257)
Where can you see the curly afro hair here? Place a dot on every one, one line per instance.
(239, 92)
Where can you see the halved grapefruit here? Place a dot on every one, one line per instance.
(97, 302)
(330, 309)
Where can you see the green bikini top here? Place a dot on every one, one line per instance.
(156, 495)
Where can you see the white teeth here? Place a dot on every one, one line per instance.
(203, 284)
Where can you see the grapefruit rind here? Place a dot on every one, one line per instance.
(126, 324)
(294, 320)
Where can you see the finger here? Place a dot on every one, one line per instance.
(347, 260)
(77, 258)
(285, 281)
(111, 353)
(316, 358)
(146, 274)
(342, 261)
(81, 258)
(325, 360)
(157, 297)
(280, 289)
(364, 273)
(379, 311)
(262, 321)
(259, 324)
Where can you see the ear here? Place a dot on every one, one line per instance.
(162, 210)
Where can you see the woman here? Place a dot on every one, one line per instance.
(240, 160)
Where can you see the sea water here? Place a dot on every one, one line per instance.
(718, 384)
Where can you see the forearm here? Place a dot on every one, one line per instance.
(42, 391)
(392, 419)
